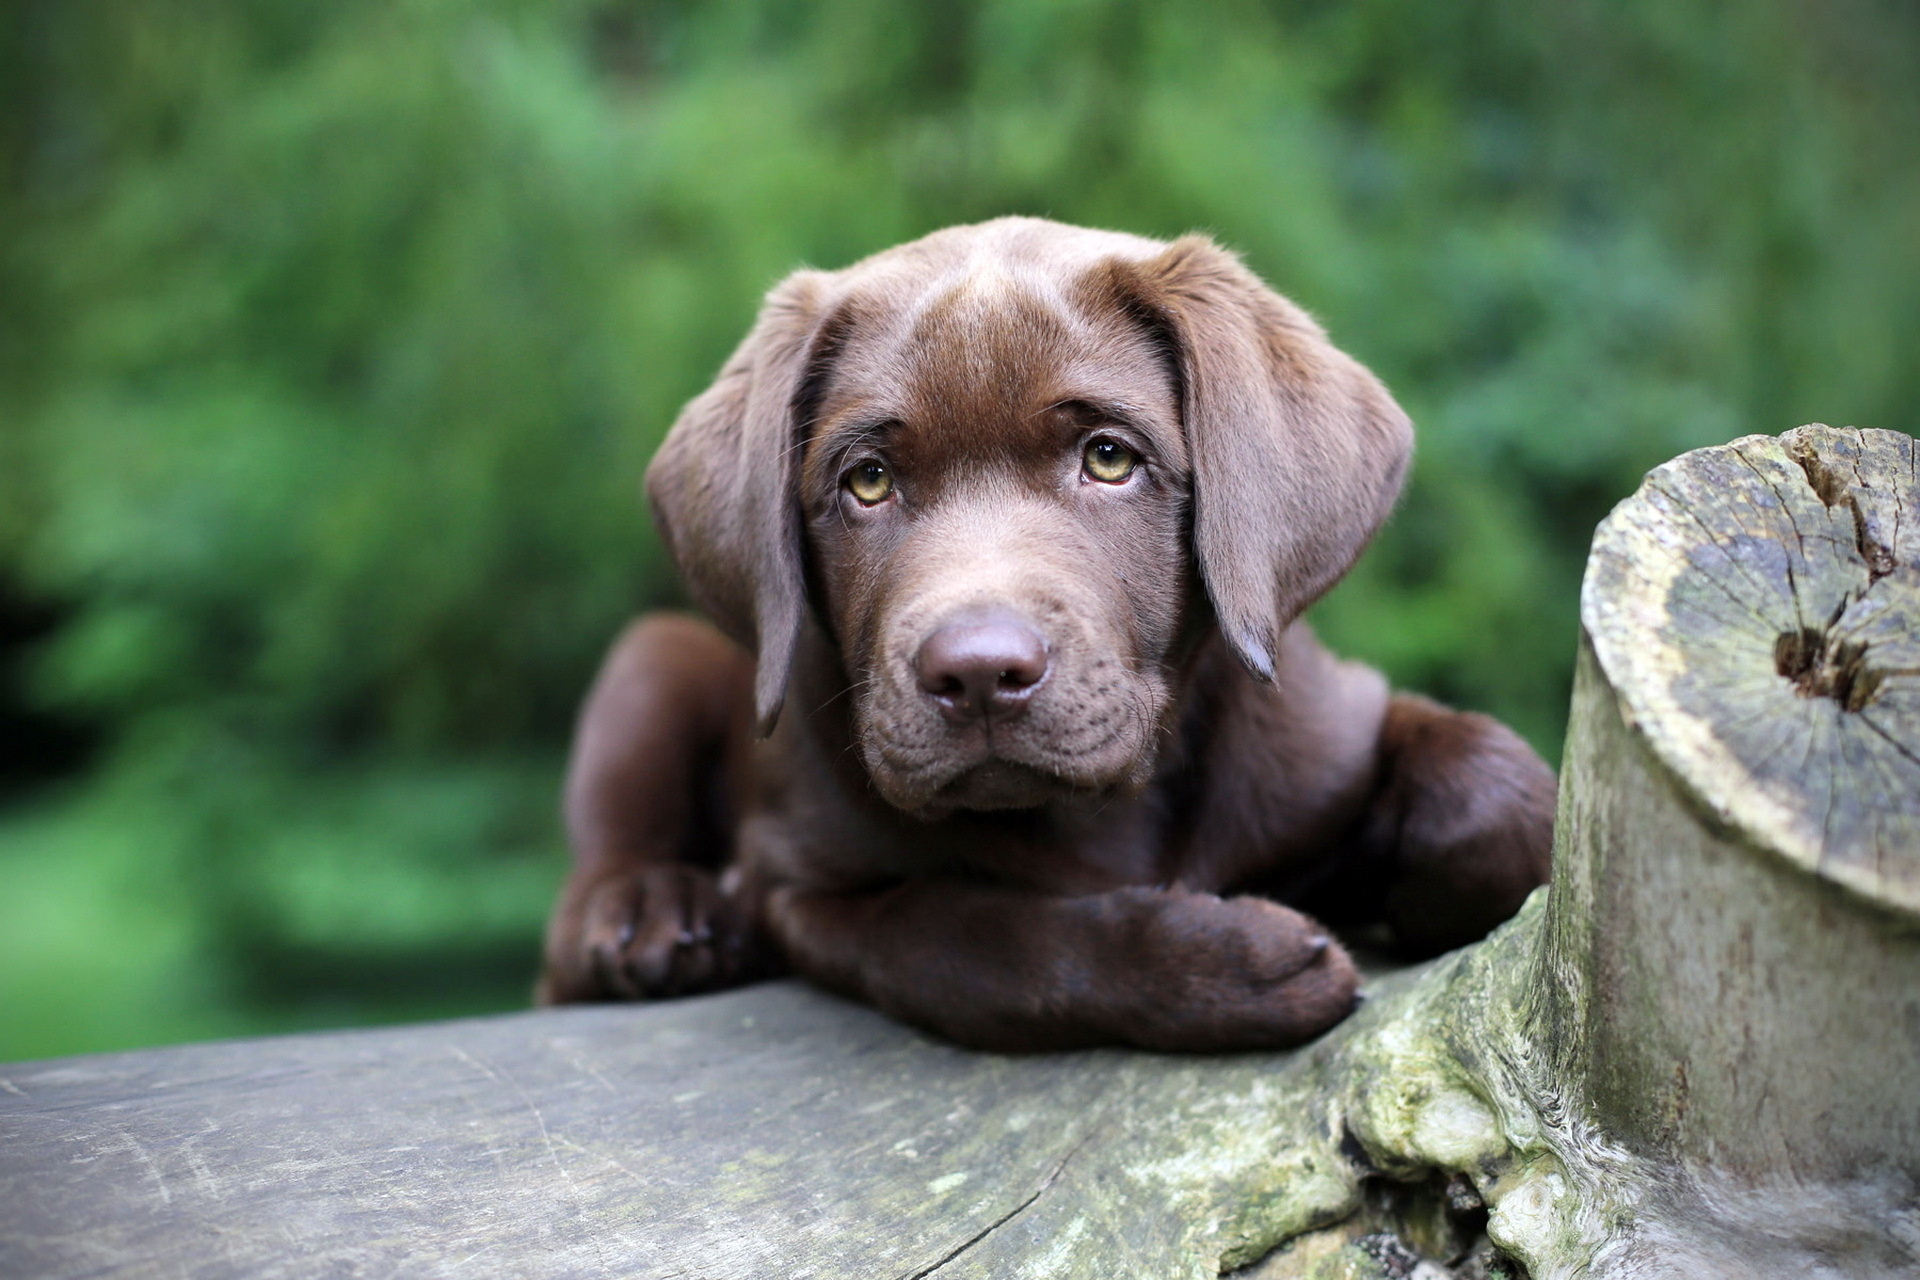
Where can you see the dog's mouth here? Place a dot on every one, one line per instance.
(997, 784)
(987, 780)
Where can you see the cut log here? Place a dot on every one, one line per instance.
(1697, 1055)
(770, 1132)
(1756, 608)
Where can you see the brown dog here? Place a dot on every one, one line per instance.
(1016, 521)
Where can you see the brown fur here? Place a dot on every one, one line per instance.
(1096, 853)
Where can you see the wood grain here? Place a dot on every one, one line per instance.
(769, 1132)
(1757, 607)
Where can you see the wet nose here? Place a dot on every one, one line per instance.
(982, 666)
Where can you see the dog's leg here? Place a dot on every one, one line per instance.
(1002, 968)
(1456, 835)
(642, 913)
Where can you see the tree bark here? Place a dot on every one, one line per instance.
(1697, 1055)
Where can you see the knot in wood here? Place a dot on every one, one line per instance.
(1820, 670)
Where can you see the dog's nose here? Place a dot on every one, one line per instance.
(982, 666)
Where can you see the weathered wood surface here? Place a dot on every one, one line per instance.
(771, 1132)
(1756, 608)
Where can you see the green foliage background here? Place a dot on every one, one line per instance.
(334, 339)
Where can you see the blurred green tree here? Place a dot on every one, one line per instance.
(334, 340)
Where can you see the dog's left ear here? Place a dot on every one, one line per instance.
(1298, 452)
(724, 486)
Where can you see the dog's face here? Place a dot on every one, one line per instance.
(1001, 459)
(995, 486)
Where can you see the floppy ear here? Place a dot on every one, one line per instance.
(724, 487)
(1298, 451)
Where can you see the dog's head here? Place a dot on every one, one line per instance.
(996, 458)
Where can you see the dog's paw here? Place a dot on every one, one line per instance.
(1240, 973)
(659, 931)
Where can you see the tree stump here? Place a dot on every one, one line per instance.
(1732, 972)
(1701, 1056)
(1697, 1055)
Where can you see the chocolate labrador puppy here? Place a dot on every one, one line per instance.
(1016, 523)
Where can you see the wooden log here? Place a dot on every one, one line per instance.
(1698, 1055)
(770, 1132)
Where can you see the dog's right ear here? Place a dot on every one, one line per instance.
(724, 486)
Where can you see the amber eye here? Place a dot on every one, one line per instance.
(1108, 461)
(869, 482)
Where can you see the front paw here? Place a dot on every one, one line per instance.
(664, 930)
(1238, 973)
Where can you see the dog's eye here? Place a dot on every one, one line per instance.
(869, 483)
(1108, 461)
